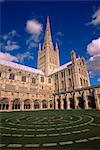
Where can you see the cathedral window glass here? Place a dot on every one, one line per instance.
(81, 81)
(86, 83)
(68, 71)
(24, 78)
(70, 83)
(9, 69)
(42, 79)
(62, 74)
(11, 76)
(33, 80)
(49, 80)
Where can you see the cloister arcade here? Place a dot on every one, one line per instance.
(10, 105)
(77, 99)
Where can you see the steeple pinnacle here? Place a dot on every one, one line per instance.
(48, 38)
(56, 46)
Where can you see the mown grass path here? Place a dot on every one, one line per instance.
(50, 129)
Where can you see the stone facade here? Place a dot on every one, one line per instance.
(51, 86)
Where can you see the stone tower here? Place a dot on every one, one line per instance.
(48, 57)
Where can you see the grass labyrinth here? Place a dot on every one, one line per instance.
(50, 129)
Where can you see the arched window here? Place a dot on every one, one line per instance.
(36, 104)
(11, 76)
(55, 86)
(68, 71)
(24, 78)
(62, 84)
(44, 104)
(81, 81)
(33, 80)
(4, 104)
(70, 83)
(42, 79)
(16, 104)
(27, 104)
(86, 83)
(49, 80)
(62, 74)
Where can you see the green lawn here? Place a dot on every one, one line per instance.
(50, 129)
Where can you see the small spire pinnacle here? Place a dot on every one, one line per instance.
(73, 56)
(39, 46)
(57, 46)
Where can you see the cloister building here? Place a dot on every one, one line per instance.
(51, 86)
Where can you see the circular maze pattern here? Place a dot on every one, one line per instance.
(76, 129)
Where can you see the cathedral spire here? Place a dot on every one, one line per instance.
(48, 39)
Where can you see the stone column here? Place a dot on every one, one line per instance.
(49, 104)
(62, 102)
(66, 80)
(22, 105)
(86, 100)
(53, 102)
(40, 104)
(32, 105)
(10, 105)
(97, 100)
(56, 102)
(76, 101)
(68, 102)
(59, 81)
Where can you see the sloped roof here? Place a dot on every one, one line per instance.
(61, 67)
(21, 67)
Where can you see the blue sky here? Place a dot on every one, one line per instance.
(74, 25)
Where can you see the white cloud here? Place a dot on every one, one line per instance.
(10, 35)
(10, 47)
(27, 55)
(93, 48)
(33, 41)
(7, 56)
(18, 58)
(94, 61)
(94, 65)
(95, 18)
(98, 80)
(8, 43)
(34, 27)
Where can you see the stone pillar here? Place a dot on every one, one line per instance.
(97, 99)
(10, 105)
(97, 102)
(62, 102)
(68, 102)
(53, 102)
(66, 80)
(85, 100)
(56, 102)
(49, 104)
(40, 104)
(59, 81)
(76, 101)
(32, 105)
(22, 105)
